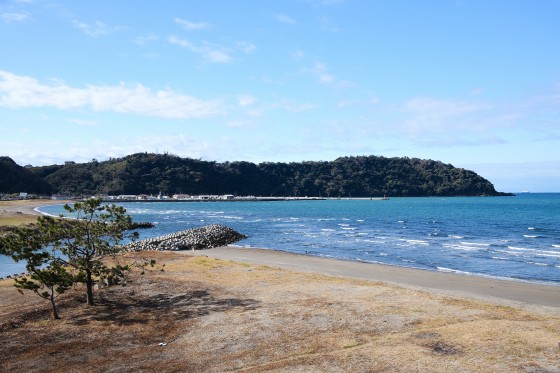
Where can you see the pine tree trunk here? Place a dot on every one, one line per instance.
(89, 287)
(53, 304)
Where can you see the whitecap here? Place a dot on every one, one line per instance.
(500, 258)
(538, 264)
(520, 248)
(554, 245)
(529, 236)
(344, 225)
(455, 236)
(462, 247)
(450, 270)
(475, 243)
(419, 242)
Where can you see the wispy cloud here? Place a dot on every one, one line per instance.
(95, 29)
(144, 40)
(327, 25)
(285, 19)
(246, 47)
(188, 25)
(323, 75)
(10, 17)
(246, 100)
(81, 122)
(210, 52)
(26, 92)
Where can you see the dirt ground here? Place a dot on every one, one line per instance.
(200, 314)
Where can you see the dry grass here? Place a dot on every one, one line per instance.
(19, 212)
(17, 220)
(218, 316)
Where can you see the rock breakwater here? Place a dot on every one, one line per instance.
(206, 237)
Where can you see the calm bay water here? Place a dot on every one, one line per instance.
(509, 237)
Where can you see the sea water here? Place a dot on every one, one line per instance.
(516, 238)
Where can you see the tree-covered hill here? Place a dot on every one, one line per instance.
(362, 176)
(17, 179)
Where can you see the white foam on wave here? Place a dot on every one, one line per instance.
(475, 244)
(360, 220)
(327, 230)
(417, 242)
(548, 254)
(344, 225)
(515, 253)
(349, 228)
(369, 241)
(455, 236)
(520, 248)
(538, 264)
(450, 270)
(530, 236)
(500, 258)
(554, 245)
(462, 247)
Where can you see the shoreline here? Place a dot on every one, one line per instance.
(464, 286)
(471, 286)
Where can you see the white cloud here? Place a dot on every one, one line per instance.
(143, 40)
(188, 25)
(246, 100)
(434, 108)
(25, 92)
(320, 71)
(246, 47)
(95, 29)
(15, 17)
(326, 25)
(210, 52)
(285, 19)
(82, 122)
(298, 55)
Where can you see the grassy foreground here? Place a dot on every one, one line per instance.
(209, 315)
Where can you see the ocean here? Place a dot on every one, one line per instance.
(516, 238)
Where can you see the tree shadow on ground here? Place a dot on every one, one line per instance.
(143, 309)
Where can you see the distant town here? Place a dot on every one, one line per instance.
(174, 198)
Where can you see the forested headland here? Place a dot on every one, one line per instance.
(357, 176)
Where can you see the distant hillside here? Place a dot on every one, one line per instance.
(17, 179)
(363, 176)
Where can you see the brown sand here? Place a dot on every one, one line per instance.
(447, 283)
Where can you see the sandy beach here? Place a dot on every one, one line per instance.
(503, 291)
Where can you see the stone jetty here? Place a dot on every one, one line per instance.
(191, 239)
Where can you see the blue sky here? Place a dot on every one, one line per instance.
(472, 83)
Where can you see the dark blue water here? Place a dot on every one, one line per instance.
(510, 237)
